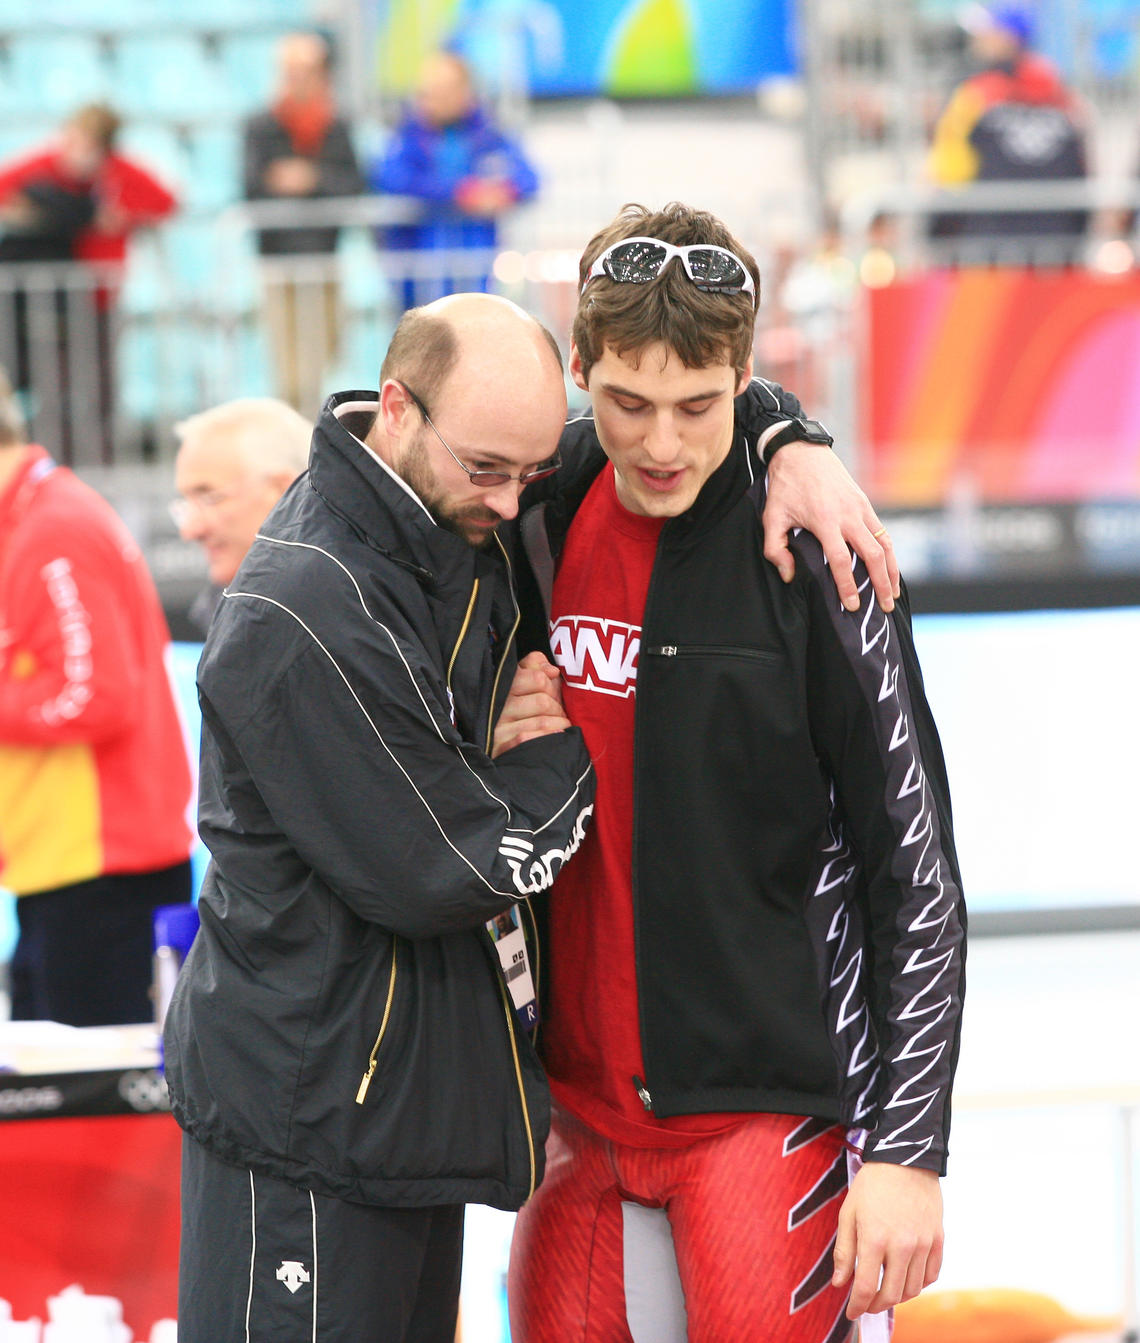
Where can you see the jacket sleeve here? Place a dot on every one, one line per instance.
(354, 760)
(763, 408)
(514, 167)
(953, 160)
(141, 197)
(256, 157)
(339, 171)
(67, 670)
(877, 740)
(17, 173)
(406, 169)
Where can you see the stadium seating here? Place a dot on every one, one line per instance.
(169, 75)
(50, 74)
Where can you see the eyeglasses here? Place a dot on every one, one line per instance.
(639, 260)
(486, 478)
(206, 501)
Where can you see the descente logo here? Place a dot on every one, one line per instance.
(533, 872)
(597, 654)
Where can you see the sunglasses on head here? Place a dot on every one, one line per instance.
(639, 260)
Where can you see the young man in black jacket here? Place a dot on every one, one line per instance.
(755, 964)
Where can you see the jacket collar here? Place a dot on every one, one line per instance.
(376, 503)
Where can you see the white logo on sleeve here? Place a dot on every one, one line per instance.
(597, 654)
(292, 1274)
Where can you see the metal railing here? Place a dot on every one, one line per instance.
(103, 382)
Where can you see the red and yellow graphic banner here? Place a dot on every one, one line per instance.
(1011, 385)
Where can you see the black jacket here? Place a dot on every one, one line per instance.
(798, 922)
(266, 139)
(342, 1021)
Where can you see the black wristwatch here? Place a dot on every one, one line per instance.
(798, 431)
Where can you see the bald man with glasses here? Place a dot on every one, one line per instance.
(347, 1049)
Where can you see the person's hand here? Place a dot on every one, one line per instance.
(809, 487)
(291, 177)
(111, 218)
(19, 212)
(484, 196)
(889, 1244)
(534, 704)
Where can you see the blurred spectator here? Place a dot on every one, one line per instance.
(300, 149)
(94, 777)
(449, 153)
(807, 314)
(234, 462)
(1012, 121)
(75, 199)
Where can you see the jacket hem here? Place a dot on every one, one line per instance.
(427, 1191)
(743, 1100)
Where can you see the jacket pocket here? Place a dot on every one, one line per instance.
(766, 655)
(370, 1071)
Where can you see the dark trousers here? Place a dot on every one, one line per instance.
(85, 954)
(263, 1260)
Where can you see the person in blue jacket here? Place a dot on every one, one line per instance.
(449, 152)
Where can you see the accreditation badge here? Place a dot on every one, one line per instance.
(507, 934)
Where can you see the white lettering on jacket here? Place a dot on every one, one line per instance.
(75, 636)
(596, 654)
(533, 872)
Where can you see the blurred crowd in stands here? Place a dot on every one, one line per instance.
(77, 199)
(73, 204)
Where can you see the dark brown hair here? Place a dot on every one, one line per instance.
(100, 121)
(702, 328)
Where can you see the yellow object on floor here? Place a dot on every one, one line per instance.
(992, 1315)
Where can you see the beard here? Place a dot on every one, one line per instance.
(459, 519)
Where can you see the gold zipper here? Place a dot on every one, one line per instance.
(366, 1080)
(462, 632)
(536, 969)
(506, 646)
(509, 1008)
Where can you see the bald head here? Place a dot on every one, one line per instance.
(490, 378)
(489, 335)
(302, 66)
(234, 462)
(444, 91)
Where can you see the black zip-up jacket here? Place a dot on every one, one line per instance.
(799, 930)
(342, 1021)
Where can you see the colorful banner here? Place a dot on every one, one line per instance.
(1002, 386)
(586, 48)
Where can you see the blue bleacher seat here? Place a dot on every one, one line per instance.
(192, 249)
(159, 147)
(137, 363)
(161, 369)
(16, 137)
(168, 75)
(51, 74)
(249, 62)
(147, 285)
(215, 167)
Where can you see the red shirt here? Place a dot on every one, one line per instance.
(591, 1036)
(132, 196)
(94, 774)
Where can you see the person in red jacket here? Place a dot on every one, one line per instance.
(76, 199)
(94, 776)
